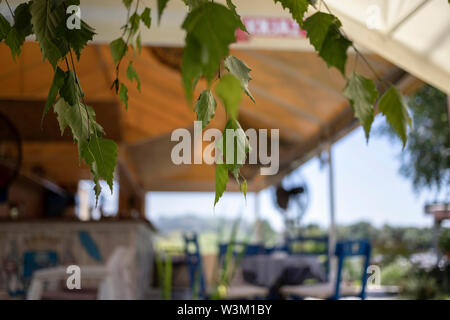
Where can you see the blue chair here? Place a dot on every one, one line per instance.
(36, 260)
(240, 249)
(195, 266)
(299, 246)
(344, 250)
(238, 288)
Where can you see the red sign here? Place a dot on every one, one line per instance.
(269, 27)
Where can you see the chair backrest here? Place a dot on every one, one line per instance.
(36, 260)
(240, 249)
(352, 248)
(318, 246)
(195, 265)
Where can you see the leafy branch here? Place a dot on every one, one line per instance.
(210, 30)
(119, 47)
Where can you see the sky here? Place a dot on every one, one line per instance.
(368, 187)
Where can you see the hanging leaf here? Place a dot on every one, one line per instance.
(78, 38)
(162, 4)
(5, 27)
(118, 49)
(127, 3)
(58, 82)
(362, 94)
(232, 7)
(221, 181)
(230, 92)
(192, 4)
(69, 91)
(205, 107)
(240, 146)
(101, 156)
(393, 107)
(123, 94)
(323, 33)
(14, 41)
(240, 70)
(46, 20)
(297, 8)
(210, 28)
(146, 17)
(317, 27)
(133, 75)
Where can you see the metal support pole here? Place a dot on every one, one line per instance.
(259, 235)
(332, 232)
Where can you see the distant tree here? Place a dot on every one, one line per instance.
(426, 159)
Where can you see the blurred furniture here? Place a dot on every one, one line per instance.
(112, 281)
(310, 246)
(237, 289)
(334, 291)
(278, 269)
(230, 257)
(63, 237)
(195, 266)
(37, 260)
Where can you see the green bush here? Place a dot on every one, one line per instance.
(395, 273)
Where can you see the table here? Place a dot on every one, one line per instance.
(274, 271)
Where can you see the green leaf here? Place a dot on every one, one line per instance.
(5, 27)
(118, 49)
(101, 156)
(162, 4)
(123, 94)
(14, 41)
(240, 70)
(221, 181)
(324, 34)
(132, 74)
(60, 108)
(79, 38)
(192, 66)
(240, 145)
(232, 7)
(76, 118)
(58, 82)
(230, 92)
(146, 17)
(205, 107)
(297, 8)
(46, 21)
(393, 107)
(317, 27)
(244, 188)
(193, 4)
(334, 50)
(139, 43)
(135, 21)
(127, 3)
(22, 19)
(210, 30)
(362, 94)
(69, 91)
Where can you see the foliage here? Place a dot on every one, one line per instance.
(426, 158)
(395, 272)
(444, 241)
(210, 30)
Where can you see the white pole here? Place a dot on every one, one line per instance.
(332, 231)
(259, 236)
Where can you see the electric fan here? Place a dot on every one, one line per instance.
(10, 155)
(292, 199)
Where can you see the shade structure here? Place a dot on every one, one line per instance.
(294, 90)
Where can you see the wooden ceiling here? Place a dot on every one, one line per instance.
(294, 91)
